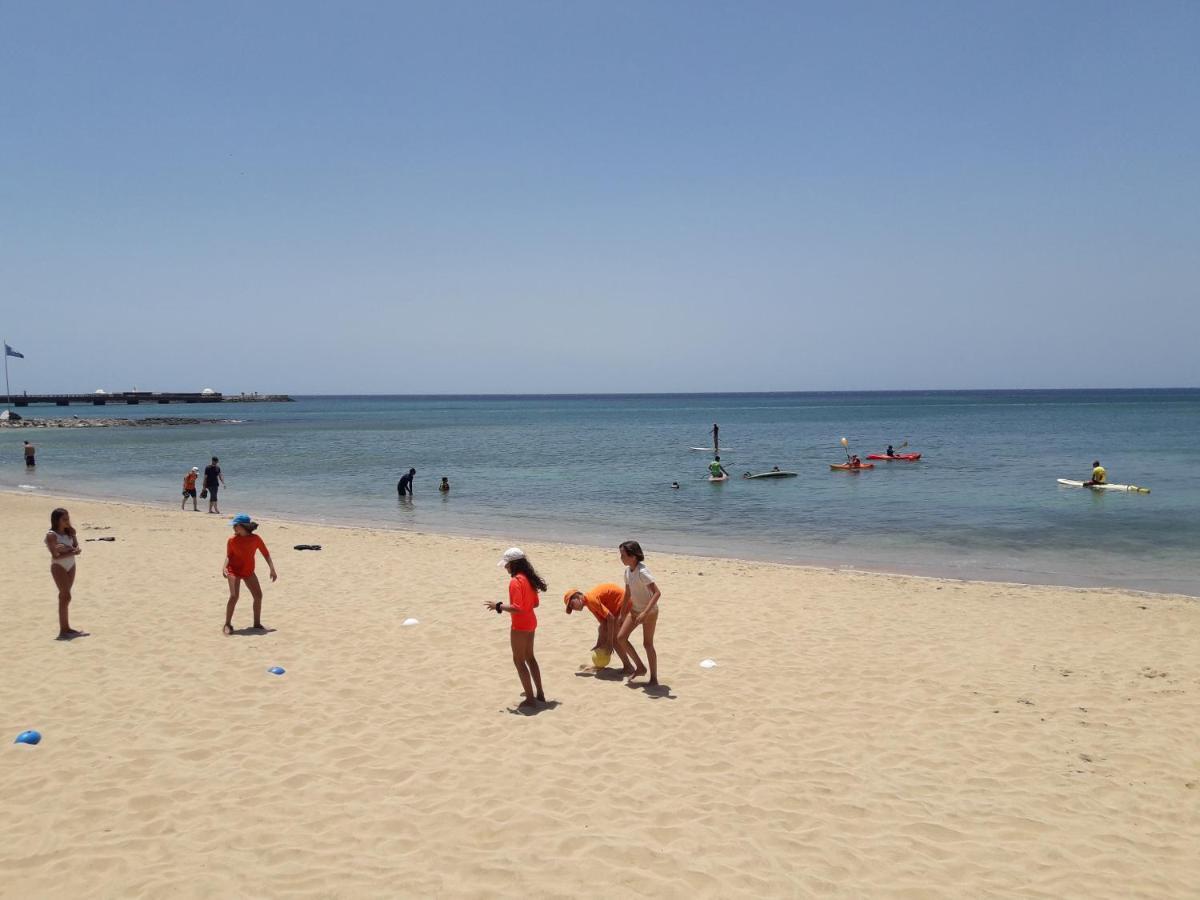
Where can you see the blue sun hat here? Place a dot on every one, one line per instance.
(29, 737)
(277, 670)
(244, 520)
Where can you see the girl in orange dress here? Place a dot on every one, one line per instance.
(239, 567)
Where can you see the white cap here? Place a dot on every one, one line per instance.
(195, 468)
(511, 554)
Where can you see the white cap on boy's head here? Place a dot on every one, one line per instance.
(511, 555)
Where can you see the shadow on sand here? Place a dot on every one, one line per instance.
(73, 635)
(252, 632)
(537, 710)
(654, 691)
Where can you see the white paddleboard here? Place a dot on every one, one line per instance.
(1129, 488)
(718, 478)
(709, 449)
(771, 475)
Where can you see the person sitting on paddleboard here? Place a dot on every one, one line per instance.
(716, 470)
(1099, 475)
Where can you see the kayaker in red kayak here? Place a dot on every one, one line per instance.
(890, 452)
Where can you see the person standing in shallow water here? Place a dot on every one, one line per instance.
(404, 485)
(523, 589)
(64, 547)
(30, 455)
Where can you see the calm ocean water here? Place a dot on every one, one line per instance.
(982, 503)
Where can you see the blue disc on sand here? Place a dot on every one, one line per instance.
(276, 670)
(28, 737)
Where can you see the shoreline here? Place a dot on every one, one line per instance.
(517, 534)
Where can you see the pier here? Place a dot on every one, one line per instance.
(129, 398)
(133, 398)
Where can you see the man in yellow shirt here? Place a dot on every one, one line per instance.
(1099, 475)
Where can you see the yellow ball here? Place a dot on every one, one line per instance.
(600, 658)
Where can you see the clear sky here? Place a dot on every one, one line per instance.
(551, 196)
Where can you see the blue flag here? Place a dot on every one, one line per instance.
(9, 351)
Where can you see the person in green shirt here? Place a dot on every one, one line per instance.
(716, 470)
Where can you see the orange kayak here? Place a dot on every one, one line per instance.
(846, 467)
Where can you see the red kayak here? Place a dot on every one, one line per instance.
(907, 457)
(846, 467)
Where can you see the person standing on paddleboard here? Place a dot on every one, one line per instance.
(716, 431)
(1099, 474)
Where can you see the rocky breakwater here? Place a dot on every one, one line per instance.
(13, 421)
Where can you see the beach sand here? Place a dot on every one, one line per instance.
(862, 735)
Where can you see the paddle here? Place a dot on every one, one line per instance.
(896, 450)
(846, 449)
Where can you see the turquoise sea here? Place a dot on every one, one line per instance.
(982, 503)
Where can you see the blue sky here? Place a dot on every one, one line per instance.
(621, 196)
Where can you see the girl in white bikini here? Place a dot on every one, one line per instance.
(63, 547)
(639, 606)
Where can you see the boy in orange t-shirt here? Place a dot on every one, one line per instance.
(189, 489)
(604, 602)
(239, 567)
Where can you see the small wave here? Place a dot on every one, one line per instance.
(29, 487)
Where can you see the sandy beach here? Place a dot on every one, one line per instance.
(862, 735)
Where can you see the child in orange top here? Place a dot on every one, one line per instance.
(604, 602)
(189, 488)
(522, 600)
(239, 567)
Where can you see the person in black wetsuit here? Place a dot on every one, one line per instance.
(889, 451)
(404, 485)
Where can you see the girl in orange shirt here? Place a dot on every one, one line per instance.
(239, 567)
(522, 600)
